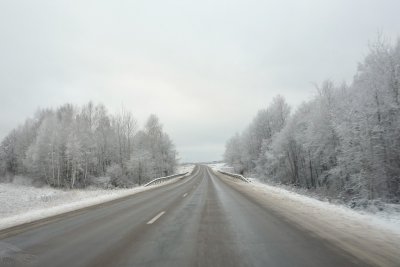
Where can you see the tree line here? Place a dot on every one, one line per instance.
(69, 146)
(344, 142)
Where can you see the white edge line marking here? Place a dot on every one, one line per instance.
(184, 195)
(156, 217)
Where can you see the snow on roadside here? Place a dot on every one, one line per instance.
(389, 220)
(371, 236)
(220, 166)
(24, 203)
(185, 168)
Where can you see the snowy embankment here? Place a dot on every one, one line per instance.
(185, 168)
(374, 235)
(24, 203)
(389, 217)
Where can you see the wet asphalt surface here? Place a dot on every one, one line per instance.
(199, 221)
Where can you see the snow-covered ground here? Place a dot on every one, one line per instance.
(22, 203)
(185, 168)
(371, 235)
(374, 235)
(389, 217)
(220, 166)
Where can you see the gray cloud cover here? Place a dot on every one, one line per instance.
(205, 67)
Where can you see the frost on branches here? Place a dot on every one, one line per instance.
(345, 142)
(70, 147)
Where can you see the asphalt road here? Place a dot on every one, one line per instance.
(198, 221)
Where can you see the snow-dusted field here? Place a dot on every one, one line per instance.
(24, 203)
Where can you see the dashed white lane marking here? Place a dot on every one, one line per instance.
(184, 195)
(156, 217)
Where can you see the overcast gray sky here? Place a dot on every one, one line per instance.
(204, 67)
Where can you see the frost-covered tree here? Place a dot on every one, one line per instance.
(234, 153)
(69, 146)
(251, 144)
(103, 139)
(369, 125)
(344, 142)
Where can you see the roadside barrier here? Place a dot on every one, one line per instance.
(164, 179)
(237, 176)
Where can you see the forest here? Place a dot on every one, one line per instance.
(70, 146)
(343, 143)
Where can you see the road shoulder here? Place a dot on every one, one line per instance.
(355, 235)
(36, 217)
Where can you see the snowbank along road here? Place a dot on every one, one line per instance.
(203, 220)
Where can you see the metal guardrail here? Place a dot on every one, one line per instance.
(164, 179)
(237, 176)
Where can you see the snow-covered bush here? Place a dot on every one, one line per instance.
(118, 176)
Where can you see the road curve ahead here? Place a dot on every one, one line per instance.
(198, 221)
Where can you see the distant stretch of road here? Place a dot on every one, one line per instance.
(199, 221)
